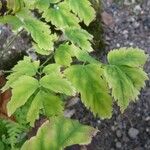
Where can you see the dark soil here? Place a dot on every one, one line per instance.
(129, 26)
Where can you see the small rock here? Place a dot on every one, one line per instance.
(107, 19)
(125, 32)
(125, 138)
(73, 101)
(118, 45)
(69, 113)
(147, 130)
(136, 24)
(129, 2)
(133, 132)
(118, 133)
(98, 121)
(118, 145)
(113, 128)
(147, 118)
(137, 9)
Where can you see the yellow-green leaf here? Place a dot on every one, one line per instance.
(64, 54)
(58, 134)
(79, 37)
(57, 84)
(132, 57)
(52, 69)
(23, 67)
(22, 89)
(13, 21)
(39, 30)
(125, 75)
(60, 16)
(83, 9)
(53, 105)
(34, 110)
(89, 82)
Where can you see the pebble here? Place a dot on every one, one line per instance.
(113, 128)
(137, 9)
(147, 129)
(118, 133)
(118, 145)
(99, 121)
(133, 132)
(118, 45)
(147, 118)
(136, 24)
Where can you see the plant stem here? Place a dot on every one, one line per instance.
(47, 60)
(7, 71)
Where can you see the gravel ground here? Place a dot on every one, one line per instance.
(126, 24)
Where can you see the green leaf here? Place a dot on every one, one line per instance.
(20, 94)
(2, 145)
(89, 82)
(26, 66)
(14, 5)
(60, 16)
(52, 104)
(39, 30)
(11, 20)
(84, 56)
(136, 75)
(132, 57)
(41, 50)
(57, 84)
(40, 5)
(65, 52)
(122, 87)
(79, 37)
(58, 134)
(52, 69)
(63, 55)
(23, 67)
(34, 110)
(83, 9)
(125, 75)
(40, 33)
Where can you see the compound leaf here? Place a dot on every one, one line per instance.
(22, 89)
(59, 133)
(125, 74)
(83, 9)
(89, 82)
